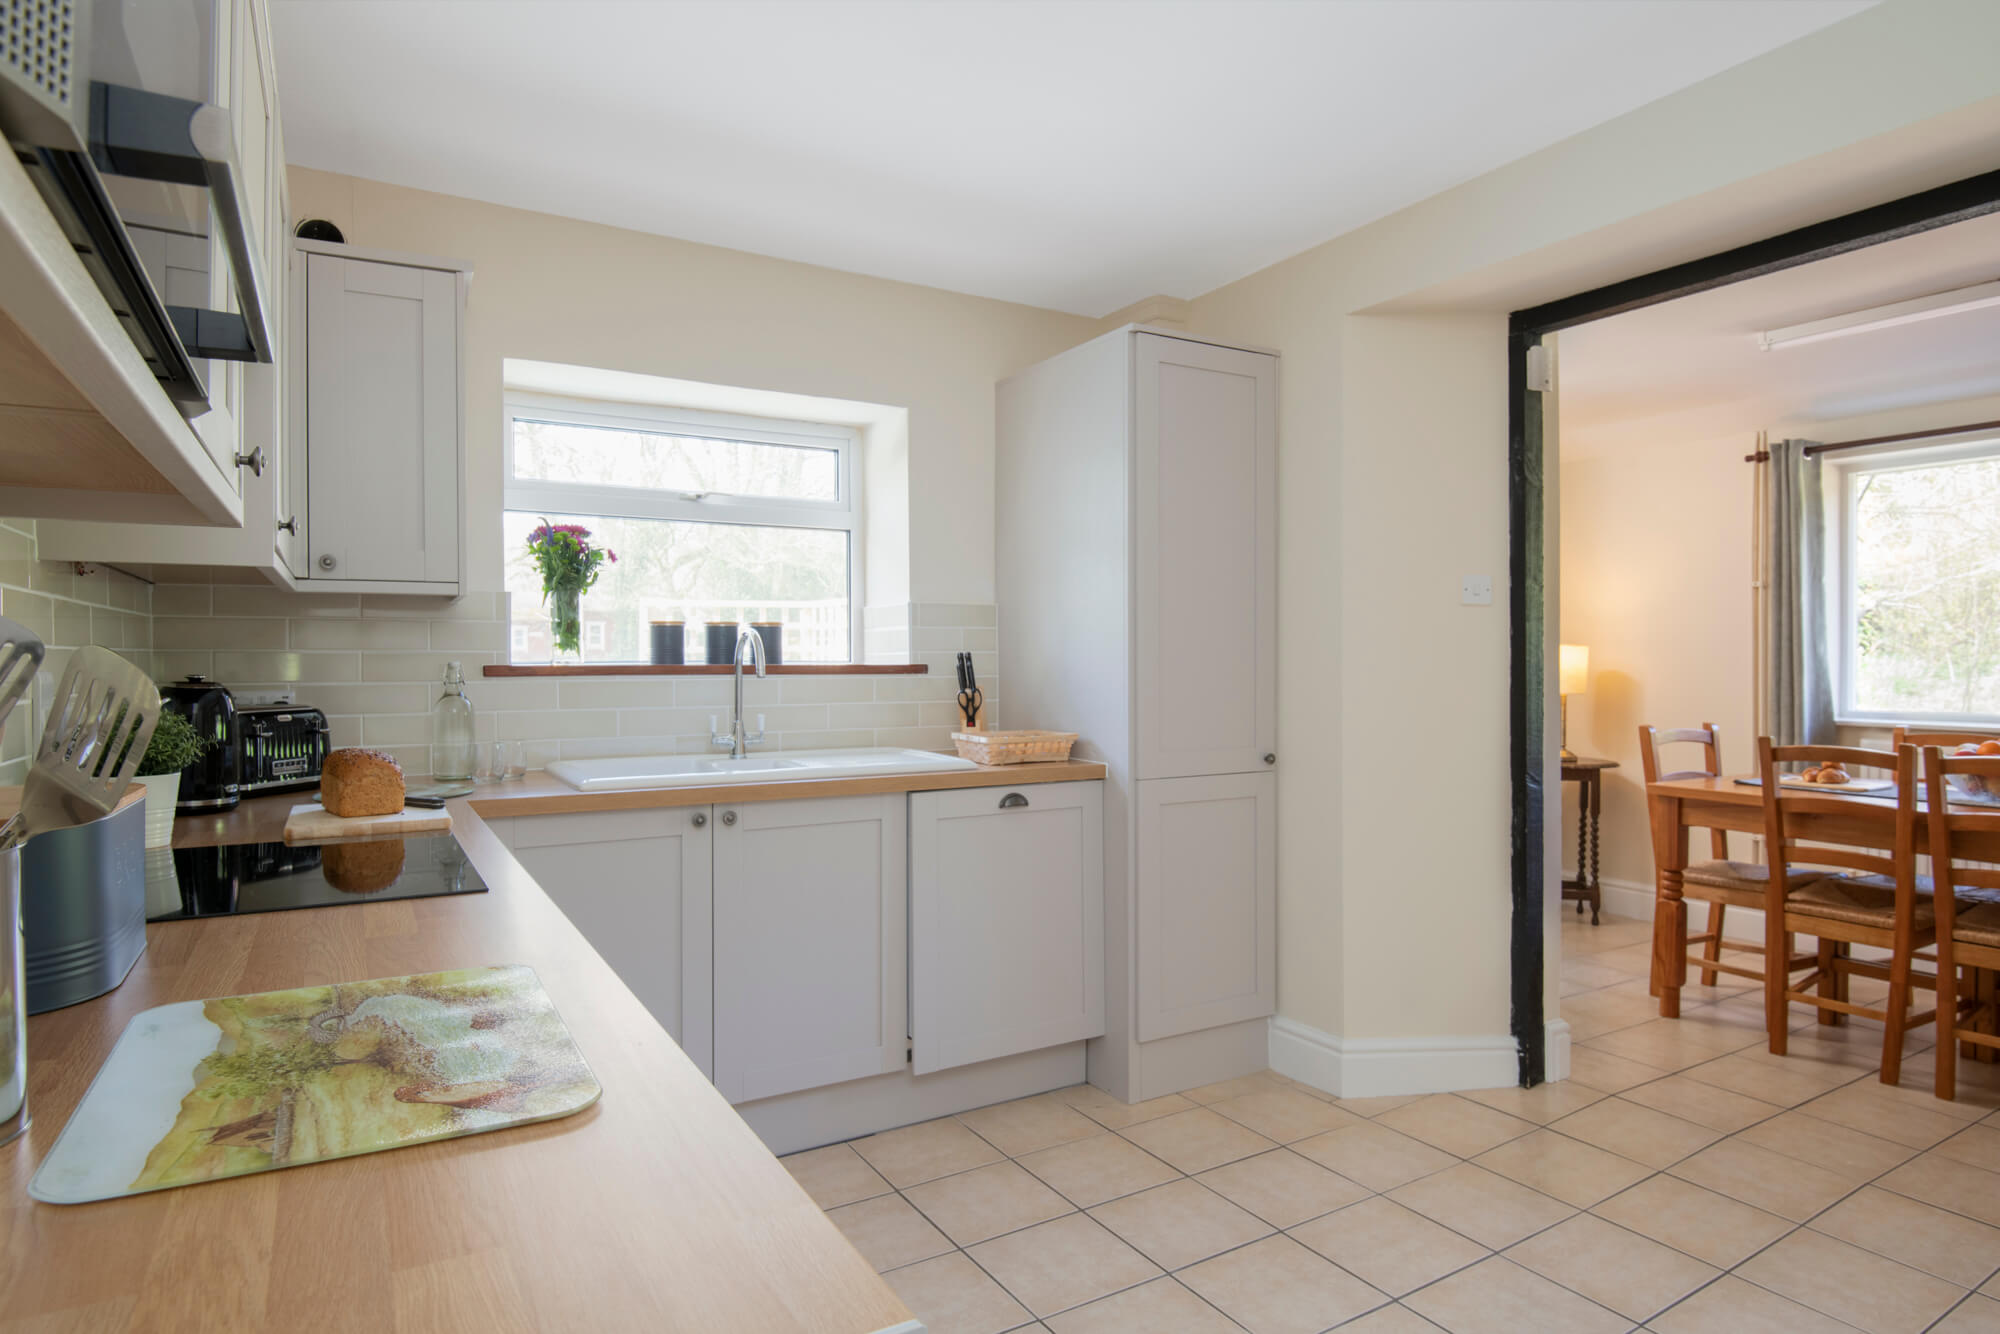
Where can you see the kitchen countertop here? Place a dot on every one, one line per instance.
(655, 1209)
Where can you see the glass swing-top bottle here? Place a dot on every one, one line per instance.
(454, 752)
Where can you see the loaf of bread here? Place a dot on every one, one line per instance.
(362, 868)
(361, 782)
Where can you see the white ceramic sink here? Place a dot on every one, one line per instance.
(782, 766)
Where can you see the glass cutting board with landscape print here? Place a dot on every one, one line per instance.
(221, 1088)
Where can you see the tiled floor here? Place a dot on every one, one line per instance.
(1683, 1181)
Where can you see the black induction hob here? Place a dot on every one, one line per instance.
(270, 877)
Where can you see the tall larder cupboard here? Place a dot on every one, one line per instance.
(1137, 578)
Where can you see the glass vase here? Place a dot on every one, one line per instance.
(566, 625)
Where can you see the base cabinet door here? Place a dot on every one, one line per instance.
(1207, 902)
(810, 943)
(1006, 921)
(637, 884)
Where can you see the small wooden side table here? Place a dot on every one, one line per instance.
(1588, 773)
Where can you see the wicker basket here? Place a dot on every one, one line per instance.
(1013, 747)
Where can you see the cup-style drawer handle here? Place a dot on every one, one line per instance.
(729, 817)
(700, 820)
(1012, 800)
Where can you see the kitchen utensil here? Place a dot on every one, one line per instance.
(190, 1087)
(13, 1002)
(21, 654)
(970, 700)
(311, 824)
(103, 716)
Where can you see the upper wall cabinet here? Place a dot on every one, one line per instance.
(121, 395)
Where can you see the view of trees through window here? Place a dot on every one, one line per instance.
(693, 571)
(1925, 552)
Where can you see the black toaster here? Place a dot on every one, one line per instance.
(280, 749)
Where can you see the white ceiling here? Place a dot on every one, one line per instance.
(1691, 369)
(1079, 155)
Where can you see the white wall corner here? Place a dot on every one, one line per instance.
(1381, 1067)
(1555, 1050)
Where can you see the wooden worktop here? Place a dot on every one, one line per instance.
(655, 1209)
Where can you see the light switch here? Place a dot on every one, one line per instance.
(1476, 590)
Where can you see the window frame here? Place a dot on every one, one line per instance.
(1844, 470)
(842, 514)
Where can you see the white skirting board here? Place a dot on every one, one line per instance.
(1378, 1067)
(1629, 898)
(1555, 1050)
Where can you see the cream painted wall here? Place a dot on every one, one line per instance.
(555, 289)
(1393, 873)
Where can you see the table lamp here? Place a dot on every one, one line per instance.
(1572, 678)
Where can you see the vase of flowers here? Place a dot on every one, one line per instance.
(568, 564)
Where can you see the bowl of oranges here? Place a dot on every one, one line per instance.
(1977, 787)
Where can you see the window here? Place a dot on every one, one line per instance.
(713, 518)
(1917, 535)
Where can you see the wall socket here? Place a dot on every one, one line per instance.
(1476, 590)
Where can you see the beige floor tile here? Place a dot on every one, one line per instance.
(1374, 1155)
(1873, 1109)
(1673, 1044)
(1570, 1170)
(952, 1295)
(1693, 1219)
(1596, 1013)
(1976, 1315)
(1977, 1086)
(1850, 1284)
(1634, 960)
(1500, 1297)
(1374, 1107)
(1283, 1188)
(1028, 1124)
(1103, 1167)
(1179, 1223)
(1948, 1184)
(1611, 1074)
(835, 1175)
(1955, 1248)
(888, 1232)
(1588, 976)
(1232, 1088)
(1277, 1286)
(1398, 1319)
(1978, 1145)
(1703, 1103)
(985, 1202)
(1283, 1114)
(1392, 1248)
(1197, 1140)
(1639, 1133)
(1992, 1286)
(1731, 1306)
(1754, 1075)
(1541, 1104)
(1112, 1114)
(925, 1150)
(1850, 1153)
(1763, 1179)
(1459, 1126)
(1633, 1276)
(1053, 1266)
(1490, 1209)
(1152, 1308)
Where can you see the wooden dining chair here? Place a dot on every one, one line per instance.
(1968, 907)
(1886, 906)
(1900, 737)
(1720, 882)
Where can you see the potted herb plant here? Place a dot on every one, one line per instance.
(175, 745)
(568, 564)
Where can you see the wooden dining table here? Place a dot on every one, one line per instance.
(1677, 805)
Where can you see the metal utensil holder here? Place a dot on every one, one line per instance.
(13, 1001)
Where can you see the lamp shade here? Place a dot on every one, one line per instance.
(1573, 669)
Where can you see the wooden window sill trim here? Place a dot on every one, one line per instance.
(705, 669)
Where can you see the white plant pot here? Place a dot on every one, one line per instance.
(162, 791)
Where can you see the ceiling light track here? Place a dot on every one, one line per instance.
(1935, 306)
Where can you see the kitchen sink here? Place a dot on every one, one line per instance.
(784, 766)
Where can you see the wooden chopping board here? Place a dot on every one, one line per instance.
(311, 824)
(203, 1090)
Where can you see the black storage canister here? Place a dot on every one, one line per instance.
(721, 642)
(773, 635)
(669, 643)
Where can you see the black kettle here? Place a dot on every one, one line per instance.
(213, 782)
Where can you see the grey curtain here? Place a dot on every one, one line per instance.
(1799, 702)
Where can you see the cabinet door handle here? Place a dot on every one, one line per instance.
(254, 461)
(700, 820)
(327, 562)
(1012, 801)
(729, 817)
(1270, 759)
(290, 525)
